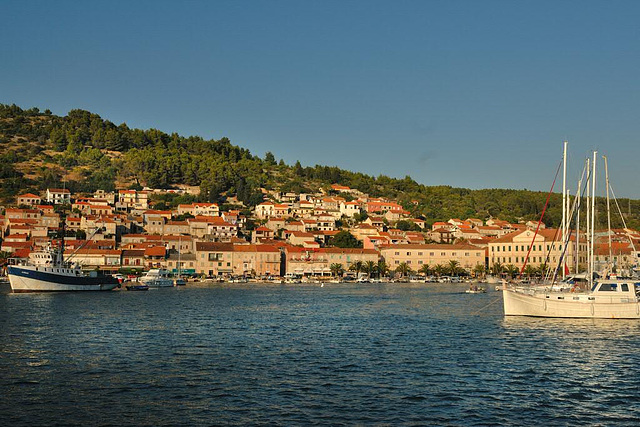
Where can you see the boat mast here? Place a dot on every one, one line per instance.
(606, 174)
(564, 200)
(587, 233)
(593, 218)
(576, 250)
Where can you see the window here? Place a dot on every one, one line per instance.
(408, 253)
(397, 253)
(419, 253)
(608, 287)
(443, 253)
(624, 287)
(397, 262)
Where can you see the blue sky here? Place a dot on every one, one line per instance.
(476, 94)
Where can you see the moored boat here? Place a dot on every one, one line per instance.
(137, 288)
(46, 271)
(157, 278)
(609, 299)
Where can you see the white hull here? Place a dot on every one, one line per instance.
(28, 284)
(157, 278)
(158, 283)
(568, 305)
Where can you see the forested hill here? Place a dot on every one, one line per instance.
(39, 150)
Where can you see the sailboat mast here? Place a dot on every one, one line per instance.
(606, 174)
(564, 199)
(593, 215)
(587, 227)
(576, 250)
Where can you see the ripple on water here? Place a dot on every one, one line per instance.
(340, 355)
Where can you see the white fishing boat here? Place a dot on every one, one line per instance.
(157, 278)
(46, 271)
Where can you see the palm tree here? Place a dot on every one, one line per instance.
(439, 269)
(403, 269)
(357, 266)
(383, 268)
(337, 269)
(542, 269)
(370, 267)
(453, 267)
(512, 270)
(529, 270)
(497, 268)
(479, 270)
(425, 270)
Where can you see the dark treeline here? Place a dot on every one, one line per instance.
(97, 153)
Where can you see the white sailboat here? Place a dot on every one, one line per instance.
(607, 298)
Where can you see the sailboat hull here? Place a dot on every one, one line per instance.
(553, 305)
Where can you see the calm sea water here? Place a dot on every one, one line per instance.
(347, 354)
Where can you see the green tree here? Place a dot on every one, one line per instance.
(511, 270)
(497, 268)
(453, 267)
(337, 269)
(425, 270)
(382, 268)
(344, 239)
(270, 159)
(529, 270)
(357, 266)
(479, 270)
(439, 269)
(404, 269)
(370, 268)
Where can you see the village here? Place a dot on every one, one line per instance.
(288, 235)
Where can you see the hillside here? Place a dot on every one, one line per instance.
(40, 150)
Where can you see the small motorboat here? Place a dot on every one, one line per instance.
(475, 289)
(137, 287)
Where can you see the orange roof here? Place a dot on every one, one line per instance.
(155, 251)
(28, 195)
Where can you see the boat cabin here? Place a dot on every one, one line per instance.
(608, 287)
